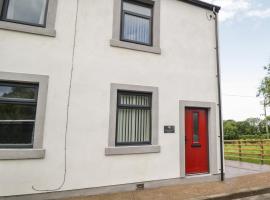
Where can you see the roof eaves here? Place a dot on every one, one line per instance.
(203, 4)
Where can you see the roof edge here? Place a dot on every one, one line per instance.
(203, 4)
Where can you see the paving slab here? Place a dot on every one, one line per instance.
(248, 178)
(237, 168)
(192, 191)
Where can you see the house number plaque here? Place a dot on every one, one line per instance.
(169, 129)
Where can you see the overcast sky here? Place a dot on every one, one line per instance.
(245, 49)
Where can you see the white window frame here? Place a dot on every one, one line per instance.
(116, 36)
(112, 149)
(48, 30)
(37, 151)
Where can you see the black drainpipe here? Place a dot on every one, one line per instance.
(219, 97)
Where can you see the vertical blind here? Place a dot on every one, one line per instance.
(136, 23)
(133, 119)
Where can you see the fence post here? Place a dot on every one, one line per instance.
(240, 150)
(262, 152)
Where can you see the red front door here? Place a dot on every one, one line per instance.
(196, 141)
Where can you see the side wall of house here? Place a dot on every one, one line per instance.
(185, 70)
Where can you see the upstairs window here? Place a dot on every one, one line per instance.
(30, 12)
(137, 22)
(18, 102)
(29, 16)
(136, 25)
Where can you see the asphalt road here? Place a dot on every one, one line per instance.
(259, 197)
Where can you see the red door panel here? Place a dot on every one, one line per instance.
(196, 141)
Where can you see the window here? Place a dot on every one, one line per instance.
(31, 12)
(137, 23)
(195, 127)
(133, 118)
(33, 16)
(22, 115)
(17, 114)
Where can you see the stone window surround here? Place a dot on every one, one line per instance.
(116, 42)
(37, 152)
(212, 134)
(49, 30)
(124, 150)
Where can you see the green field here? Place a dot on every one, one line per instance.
(248, 147)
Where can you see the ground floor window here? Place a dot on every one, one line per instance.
(23, 100)
(18, 102)
(133, 126)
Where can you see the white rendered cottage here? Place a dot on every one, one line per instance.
(107, 95)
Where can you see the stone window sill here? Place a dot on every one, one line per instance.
(21, 154)
(133, 46)
(27, 29)
(109, 151)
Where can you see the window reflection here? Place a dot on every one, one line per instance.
(18, 102)
(16, 91)
(28, 11)
(17, 112)
(16, 133)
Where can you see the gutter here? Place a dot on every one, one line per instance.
(219, 97)
(203, 4)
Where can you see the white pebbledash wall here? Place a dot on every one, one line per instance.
(185, 70)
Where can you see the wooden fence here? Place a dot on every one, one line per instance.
(257, 151)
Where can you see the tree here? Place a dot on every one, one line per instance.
(230, 130)
(264, 91)
(230, 126)
(254, 125)
(249, 128)
(244, 128)
(262, 128)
